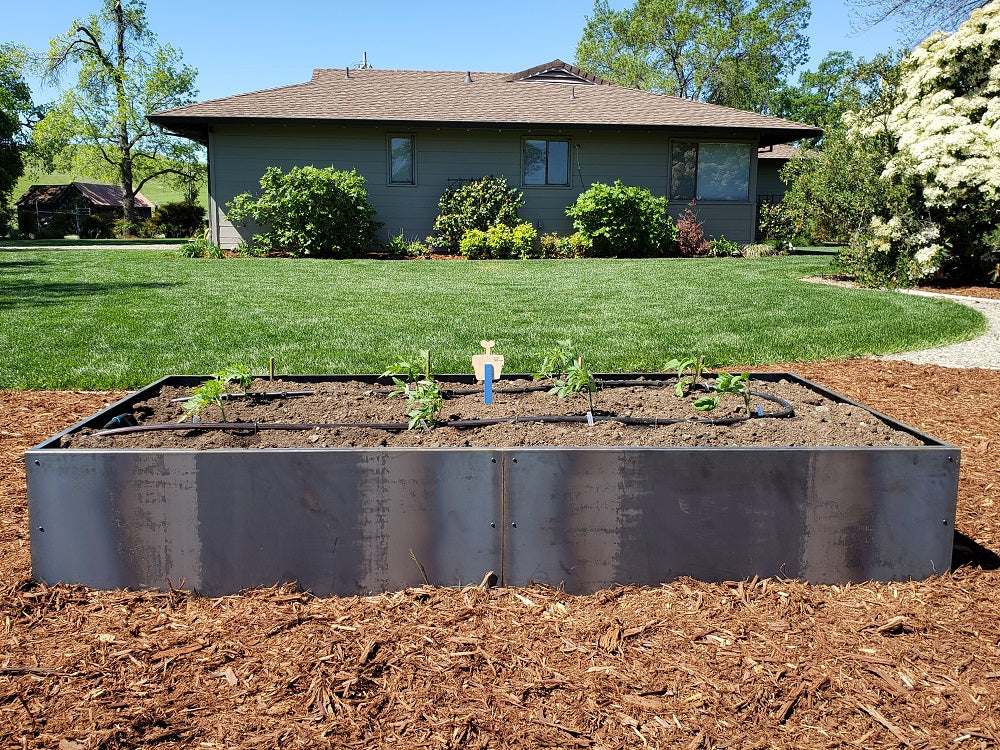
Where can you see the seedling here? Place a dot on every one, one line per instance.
(737, 385)
(695, 366)
(555, 362)
(578, 379)
(216, 391)
(420, 388)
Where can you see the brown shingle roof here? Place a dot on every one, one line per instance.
(779, 151)
(104, 196)
(491, 99)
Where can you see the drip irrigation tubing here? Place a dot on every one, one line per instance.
(785, 411)
(446, 392)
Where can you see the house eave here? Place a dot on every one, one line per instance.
(197, 129)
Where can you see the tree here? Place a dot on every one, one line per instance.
(917, 17)
(820, 97)
(15, 114)
(99, 127)
(731, 52)
(838, 187)
(947, 131)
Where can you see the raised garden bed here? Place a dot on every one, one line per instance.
(831, 493)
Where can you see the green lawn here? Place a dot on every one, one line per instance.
(114, 318)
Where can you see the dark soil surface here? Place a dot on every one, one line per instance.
(744, 664)
(817, 420)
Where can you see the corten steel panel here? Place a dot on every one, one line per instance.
(335, 521)
(591, 518)
(344, 521)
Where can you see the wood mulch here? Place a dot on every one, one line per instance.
(751, 664)
(983, 292)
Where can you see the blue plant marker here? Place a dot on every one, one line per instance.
(760, 411)
(488, 384)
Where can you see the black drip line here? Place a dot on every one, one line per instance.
(785, 411)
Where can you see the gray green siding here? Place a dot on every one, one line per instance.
(239, 154)
(769, 184)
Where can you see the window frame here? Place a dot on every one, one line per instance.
(677, 143)
(569, 161)
(413, 159)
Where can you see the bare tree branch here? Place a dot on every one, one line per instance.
(916, 18)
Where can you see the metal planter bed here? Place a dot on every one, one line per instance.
(358, 520)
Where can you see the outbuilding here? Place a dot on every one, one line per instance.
(70, 207)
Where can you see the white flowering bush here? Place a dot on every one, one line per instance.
(946, 160)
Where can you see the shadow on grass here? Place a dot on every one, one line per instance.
(967, 551)
(16, 265)
(30, 294)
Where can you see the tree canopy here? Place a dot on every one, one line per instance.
(99, 126)
(917, 18)
(16, 109)
(730, 52)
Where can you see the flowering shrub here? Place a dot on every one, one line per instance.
(479, 204)
(499, 241)
(623, 220)
(898, 251)
(946, 131)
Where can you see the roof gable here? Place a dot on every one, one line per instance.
(558, 72)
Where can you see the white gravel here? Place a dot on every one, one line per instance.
(981, 352)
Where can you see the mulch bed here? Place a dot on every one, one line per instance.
(751, 664)
(987, 292)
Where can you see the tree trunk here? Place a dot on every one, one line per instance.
(125, 168)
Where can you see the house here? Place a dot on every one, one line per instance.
(69, 206)
(552, 131)
(770, 160)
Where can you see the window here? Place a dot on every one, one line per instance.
(710, 172)
(401, 160)
(545, 161)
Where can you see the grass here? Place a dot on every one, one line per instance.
(118, 318)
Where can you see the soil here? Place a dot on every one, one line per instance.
(816, 420)
(744, 664)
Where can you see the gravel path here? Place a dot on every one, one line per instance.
(981, 352)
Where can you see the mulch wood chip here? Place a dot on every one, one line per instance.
(744, 664)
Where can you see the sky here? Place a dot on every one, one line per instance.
(250, 45)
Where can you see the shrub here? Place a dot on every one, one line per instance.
(140, 228)
(179, 219)
(202, 247)
(761, 251)
(572, 246)
(777, 223)
(623, 220)
(99, 226)
(324, 213)
(691, 240)
(723, 248)
(895, 252)
(499, 241)
(400, 246)
(479, 204)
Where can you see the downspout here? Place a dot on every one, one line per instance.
(214, 218)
